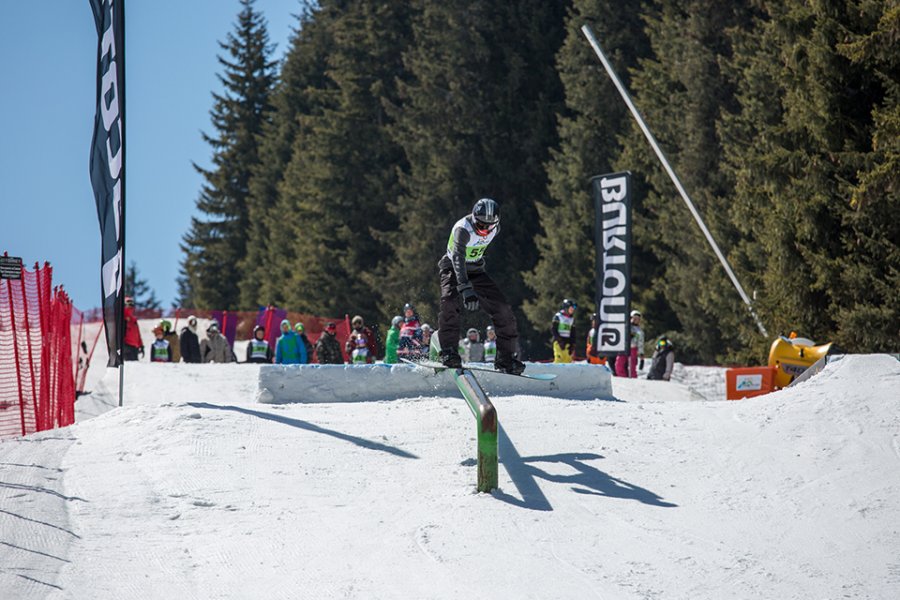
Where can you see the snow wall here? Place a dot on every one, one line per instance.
(282, 384)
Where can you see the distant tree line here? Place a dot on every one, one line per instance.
(337, 172)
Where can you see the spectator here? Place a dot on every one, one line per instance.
(133, 343)
(160, 350)
(301, 333)
(359, 354)
(427, 332)
(470, 347)
(289, 349)
(593, 342)
(259, 350)
(563, 330)
(410, 346)
(328, 350)
(172, 337)
(215, 348)
(663, 360)
(627, 364)
(392, 342)
(490, 345)
(190, 342)
(360, 331)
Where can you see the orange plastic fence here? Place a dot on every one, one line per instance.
(37, 385)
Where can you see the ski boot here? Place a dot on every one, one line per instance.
(510, 364)
(451, 359)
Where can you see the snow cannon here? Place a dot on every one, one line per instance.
(791, 356)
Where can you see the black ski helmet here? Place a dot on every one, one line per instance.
(486, 214)
(566, 303)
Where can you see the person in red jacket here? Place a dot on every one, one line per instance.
(133, 343)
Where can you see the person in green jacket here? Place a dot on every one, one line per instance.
(392, 342)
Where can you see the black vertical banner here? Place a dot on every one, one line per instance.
(612, 232)
(108, 166)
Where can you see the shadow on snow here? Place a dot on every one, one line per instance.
(586, 479)
(362, 442)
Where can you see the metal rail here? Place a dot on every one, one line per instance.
(486, 421)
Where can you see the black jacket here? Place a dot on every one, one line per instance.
(328, 350)
(190, 346)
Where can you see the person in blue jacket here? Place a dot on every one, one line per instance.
(289, 349)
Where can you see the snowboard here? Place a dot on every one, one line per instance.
(430, 364)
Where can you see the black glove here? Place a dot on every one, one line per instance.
(141, 351)
(641, 364)
(470, 298)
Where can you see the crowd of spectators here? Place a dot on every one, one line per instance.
(407, 338)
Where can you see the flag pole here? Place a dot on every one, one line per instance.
(120, 328)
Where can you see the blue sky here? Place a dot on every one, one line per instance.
(47, 77)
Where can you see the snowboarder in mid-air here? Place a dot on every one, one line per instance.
(463, 275)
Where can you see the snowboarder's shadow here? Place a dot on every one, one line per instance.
(585, 478)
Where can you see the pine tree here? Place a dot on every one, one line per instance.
(139, 288)
(867, 301)
(476, 120)
(681, 90)
(795, 147)
(270, 259)
(216, 243)
(589, 127)
(343, 168)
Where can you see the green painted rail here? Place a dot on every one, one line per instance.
(486, 420)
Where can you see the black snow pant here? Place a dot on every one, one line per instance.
(492, 301)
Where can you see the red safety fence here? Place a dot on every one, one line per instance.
(37, 383)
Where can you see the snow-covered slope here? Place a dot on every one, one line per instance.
(193, 491)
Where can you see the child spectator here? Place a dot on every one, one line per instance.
(663, 360)
(172, 337)
(258, 350)
(160, 351)
(563, 330)
(410, 346)
(133, 343)
(360, 337)
(427, 332)
(301, 333)
(490, 345)
(328, 350)
(627, 364)
(470, 348)
(359, 355)
(289, 349)
(393, 341)
(215, 348)
(190, 342)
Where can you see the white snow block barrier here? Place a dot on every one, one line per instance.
(282, 384)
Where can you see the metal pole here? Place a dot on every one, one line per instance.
(659, 153)
(121, 300)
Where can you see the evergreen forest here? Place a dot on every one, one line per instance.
(339, 168)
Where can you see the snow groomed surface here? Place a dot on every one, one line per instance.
(281, 384)
(194, 490)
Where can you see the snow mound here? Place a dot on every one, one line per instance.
(280, 384)
(195, 490)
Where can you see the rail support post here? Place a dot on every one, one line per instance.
(486, 420)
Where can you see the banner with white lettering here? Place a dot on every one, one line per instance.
(612, 231)
(108, 165)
